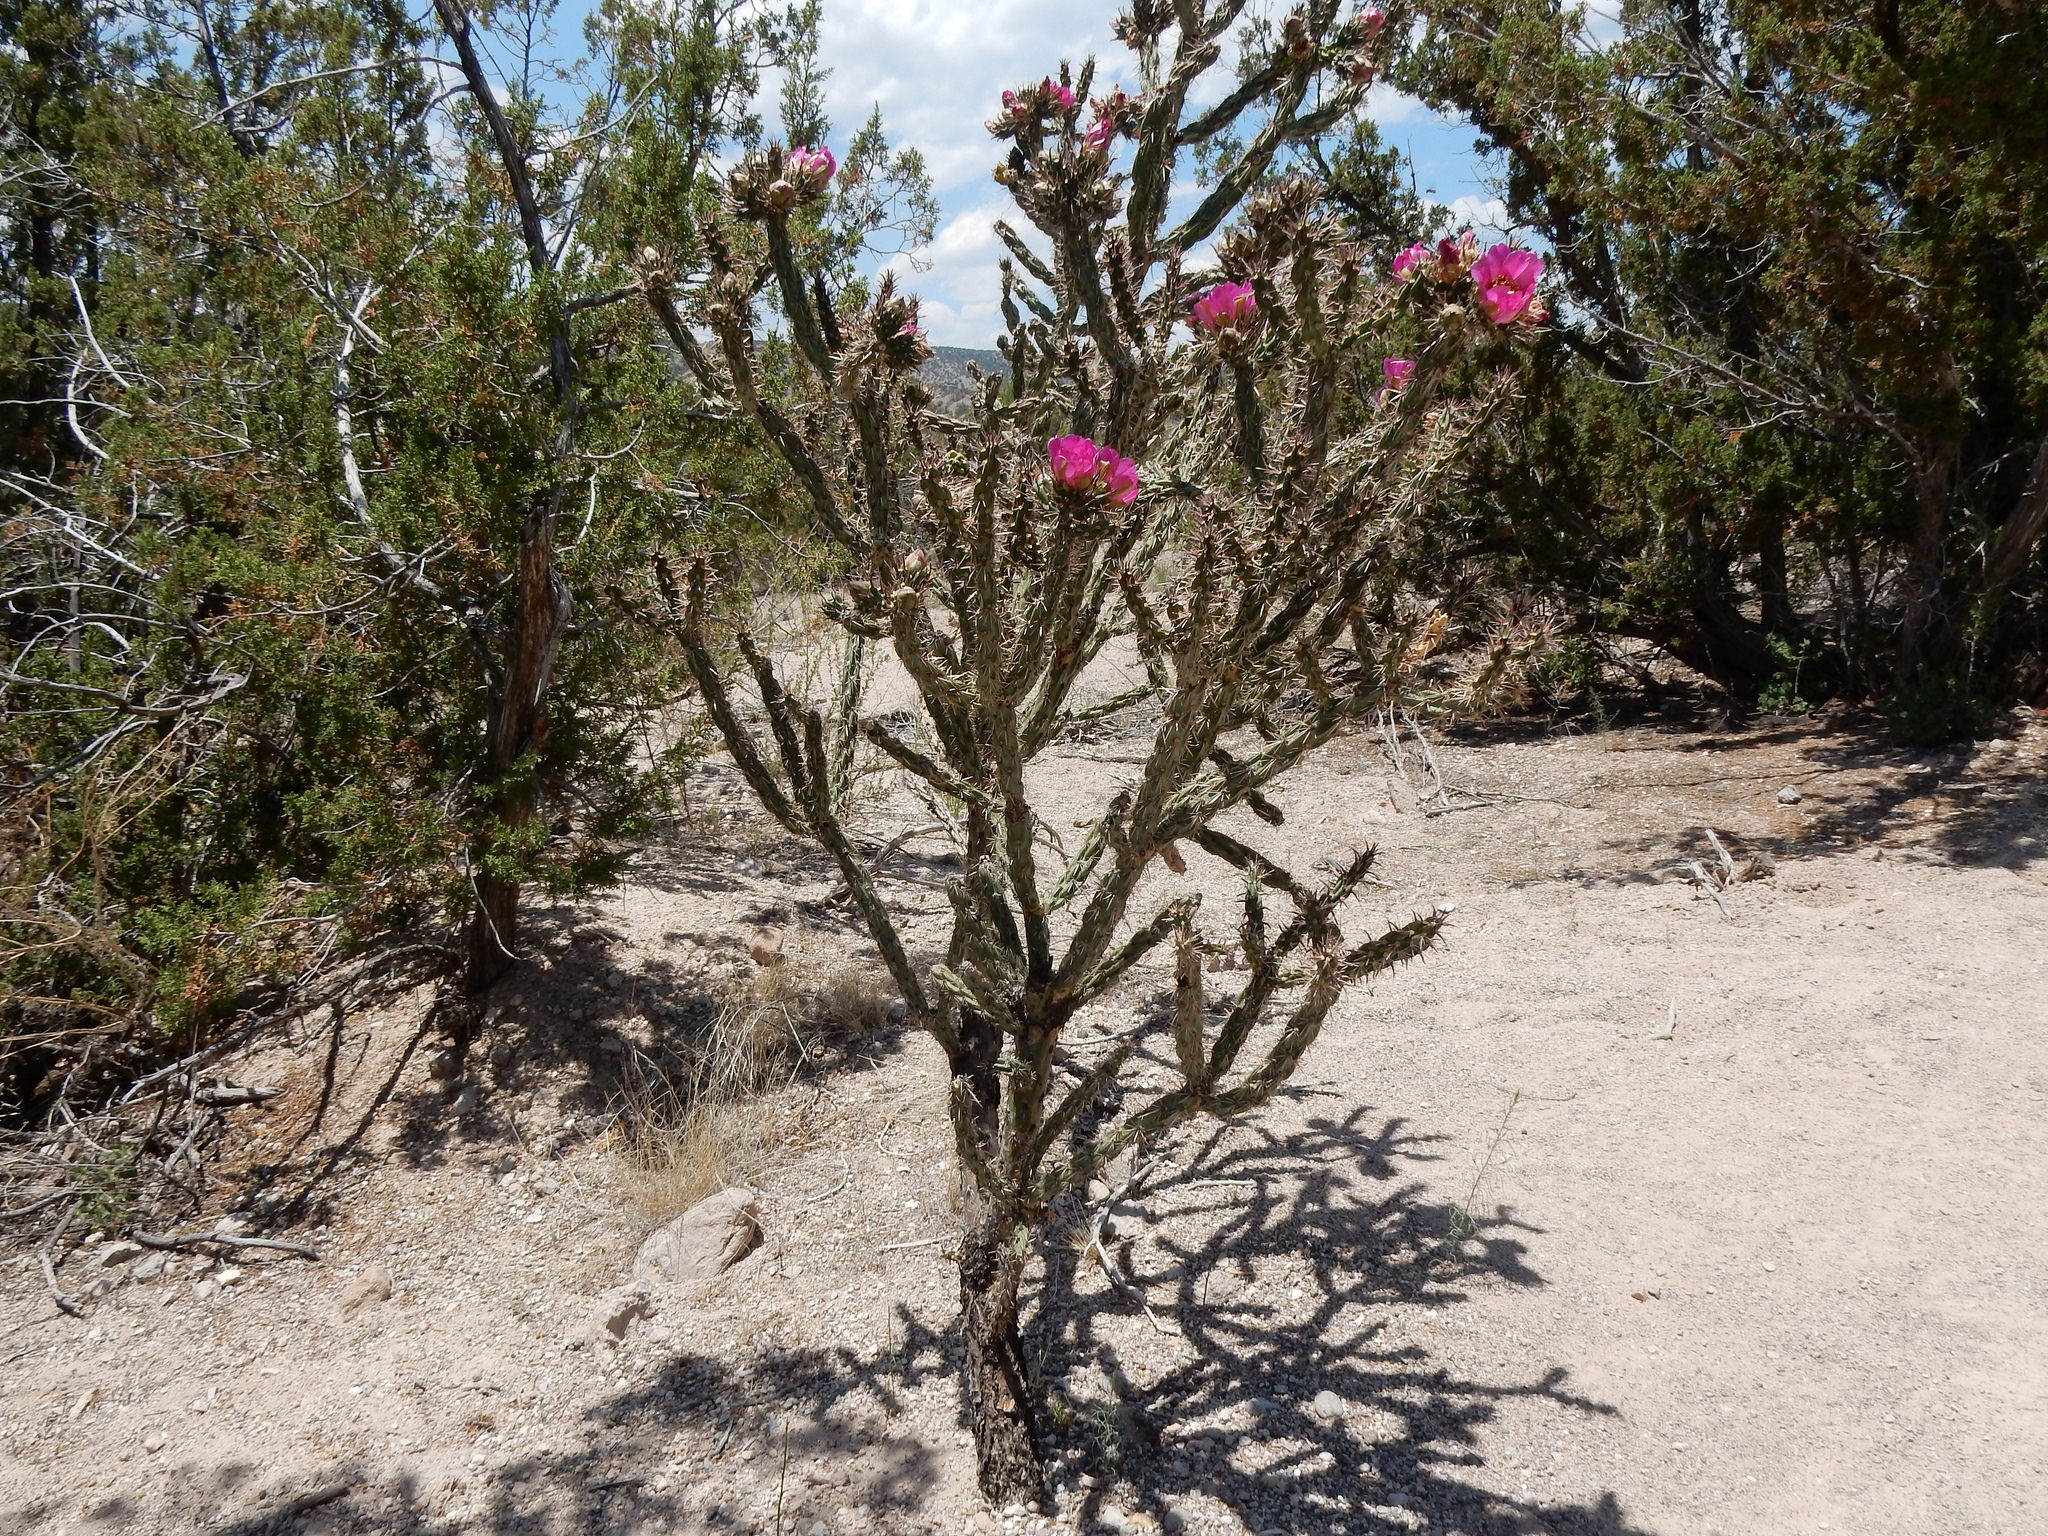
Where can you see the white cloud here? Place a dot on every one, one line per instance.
(938, 71)
(1485, 217)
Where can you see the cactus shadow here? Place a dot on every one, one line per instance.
(1292, 1262)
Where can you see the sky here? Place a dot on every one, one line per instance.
(938, 71)
(938, 68)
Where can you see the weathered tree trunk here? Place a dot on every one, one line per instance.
(540, 599)
(2013, 549)
(999, 1401)
(518, 725)
(1925, 632)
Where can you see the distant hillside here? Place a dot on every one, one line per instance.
(946, 374)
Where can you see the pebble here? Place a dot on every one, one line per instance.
(1113, 1516)
(1261, 1406)
(1173, 1521)
(1327, 1405)
(149, 1266)
(371, 1286)
(110, 1254)
(1097, 1191)
(152, 1442)
(1789, 796)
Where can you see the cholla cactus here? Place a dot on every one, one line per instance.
(1213, 465)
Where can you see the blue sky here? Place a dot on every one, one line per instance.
(938, 69)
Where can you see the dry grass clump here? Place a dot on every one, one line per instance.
(717, 1120)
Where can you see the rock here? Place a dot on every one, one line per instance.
(702, 1243)
(1328, 1406)
(444, 1066)
(230, 1274)
(107, 1255)
(148, 1267)
(766, 946)
(152, 1442)
(1403, 795)
(371, 1286)
(1789, 796)
(1097, 1191)
(1113, 1517)
(503, 1054)
(616, 1312)
(1262, 1406)
(466, 1101)
(1173, 1521)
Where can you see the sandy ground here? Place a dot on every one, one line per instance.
(1616, 1214)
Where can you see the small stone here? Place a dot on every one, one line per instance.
(616, 1312)
(371, 1286)
(1262, 1406)
(202, 1290)
(1097, 1191)
(1113, 1517)
(1789, 796)
(466, 1101)
(1327, 1406)
(1173, 1521)
(152, 1442)
(110, 1254)
(765, 947)
(503, 1054)
(702, 1243)
(444, 1066)
(149, 1266)
(231, 1274)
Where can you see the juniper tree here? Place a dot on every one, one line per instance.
(1211, 463)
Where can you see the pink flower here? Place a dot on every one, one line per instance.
(812, 168)
(1397, 371)
(1226, 307)
(1096, 139)
(1118, 476)
(1454, 258)
(1410, 261)
(1506, 280)
(1082, 464)
(1059, 93)
(1372, 18)
(1073, 462)
(1010, 102)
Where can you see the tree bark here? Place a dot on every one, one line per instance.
(540, 599)
(2013, 548)
(1926, 633)
(999, 1401)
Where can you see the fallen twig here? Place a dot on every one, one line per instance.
(64, 1302)
(37, 1205)
(326, 1494)
(890, 849)
(845, 1174)
(1094, 1243)
(922, 1242)
(227, 1239)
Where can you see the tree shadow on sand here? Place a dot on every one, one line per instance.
(851, 1441)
